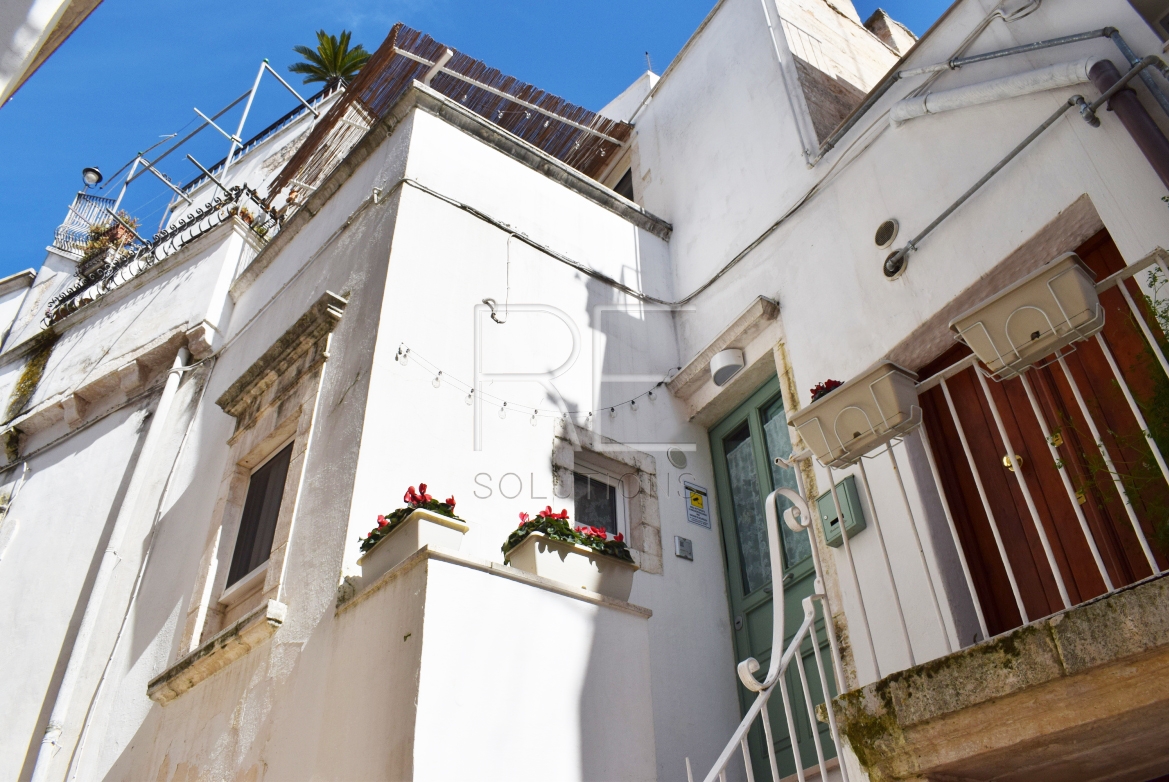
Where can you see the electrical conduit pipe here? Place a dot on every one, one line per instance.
(93, 606)
(1052, 77)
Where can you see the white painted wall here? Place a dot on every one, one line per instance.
(719, 157)
(25, 27)
(721, 161)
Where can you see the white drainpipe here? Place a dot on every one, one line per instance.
(1052, 77)
(73, 669)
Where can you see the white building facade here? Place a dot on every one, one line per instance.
(439, 275)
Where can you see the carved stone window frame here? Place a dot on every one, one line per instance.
(635, 469)
(274, 404)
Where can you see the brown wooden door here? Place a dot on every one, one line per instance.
(1102, 504)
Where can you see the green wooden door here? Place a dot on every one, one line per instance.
(744, 446)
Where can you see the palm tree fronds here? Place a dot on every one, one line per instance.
(332, 61)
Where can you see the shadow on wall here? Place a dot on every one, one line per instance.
(51, 457)
(830, 98)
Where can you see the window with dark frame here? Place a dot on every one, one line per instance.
(595, 503)
(625, 185)
(253, 542)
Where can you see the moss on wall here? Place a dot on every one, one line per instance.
(30, 376)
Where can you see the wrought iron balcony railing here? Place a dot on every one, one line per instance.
(116, 266)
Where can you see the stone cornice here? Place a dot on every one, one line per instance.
(761, 312)
(299, 350)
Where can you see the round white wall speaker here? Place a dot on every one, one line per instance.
(725, 365)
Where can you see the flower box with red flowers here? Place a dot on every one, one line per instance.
(847, 420)
(424, 521)
(582, 557)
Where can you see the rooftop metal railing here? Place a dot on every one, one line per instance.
(86, 211)
(118, 265)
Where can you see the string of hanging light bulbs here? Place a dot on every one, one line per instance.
(405, 354)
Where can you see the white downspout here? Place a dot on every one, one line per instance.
(1052, 77)
(74, 668)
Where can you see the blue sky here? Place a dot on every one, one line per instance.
(136, 68)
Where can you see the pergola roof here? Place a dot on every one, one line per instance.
(576, 136)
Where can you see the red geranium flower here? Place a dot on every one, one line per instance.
(451, 500)
(822, 389)
(619, 537)
(381, 522)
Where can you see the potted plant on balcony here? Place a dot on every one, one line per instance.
(1045, 311)
(424, 521)
(847, 420)
(104, 237)
(582, 557)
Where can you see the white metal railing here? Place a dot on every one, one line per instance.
(86, 211)
(1031, 512)
(799, 518)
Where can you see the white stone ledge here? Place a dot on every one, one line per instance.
(427, 553)
(222, 650)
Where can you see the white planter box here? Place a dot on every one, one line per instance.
(860, 415)
(421, 528)
(573, 565)
(1045, 311)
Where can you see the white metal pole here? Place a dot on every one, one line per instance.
(791, 725)
(822, 587)
(747, 759)
(812, 709)
(852, 572)
(288, 86)
(243, 118)
(953, 533)
(994, 527)
(920, 551)
(885, 557)
(1132, 405)
(827, 694)
(1067, 481)
(126, 182)
(767, 736)
(1132, 515)
(1018, 471)
(1140, 319)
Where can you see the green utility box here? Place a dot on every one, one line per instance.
(854, 517)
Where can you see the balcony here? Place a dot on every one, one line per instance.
(1080, 695)
(1031, 642)
(106, 266)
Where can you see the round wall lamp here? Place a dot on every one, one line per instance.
(725, 365)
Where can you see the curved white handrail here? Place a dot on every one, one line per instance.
(748, 667)
(798, 518)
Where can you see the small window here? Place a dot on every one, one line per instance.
(625, 185)
(253, 543)
(598, 501)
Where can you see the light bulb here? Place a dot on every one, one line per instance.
(633, 405)
(503, 411)
(652, 396)
(612, 412)
(533, 421)
(470, 397)
(437, 380)
(405, 355)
